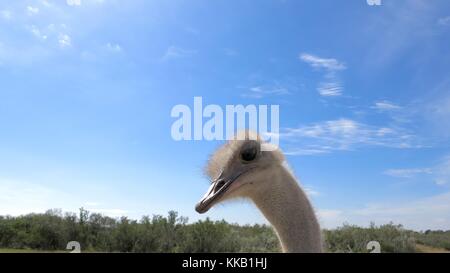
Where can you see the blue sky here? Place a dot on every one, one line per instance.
(87, 86)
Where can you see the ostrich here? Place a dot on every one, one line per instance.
(241, 169)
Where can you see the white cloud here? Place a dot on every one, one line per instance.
(80, 2)
(73, 2)
(421, 214)
(311, 192)
(330, 218)
(32, 10)
(441, 107)
(435, 109)
(445, 21)
(55, 34)
(97, 2)
(384, 131)
(407, 173)
(45, 3)
(174, 52)
(19, 197)
(258, 92)
(330, 86)
(440, 173)
(37, 32)
(6, 15)
(307, 151)
(425, 213)
(329, 89)
(385, 106)
(317, 62)
(116, 48)
(441, 182)
(64, 40)
(343, 134)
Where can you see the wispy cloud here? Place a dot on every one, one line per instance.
(439, 174)
(64, 40)
(407, 173)
(112, 47)
(443, 172)
(308, 151)
(385, 106)
(343, 134)
(52, 33)
(330, 218)
(174, 52)
(37, 32)
(32, 10)
(311, 192)
(51, 26)
(425, 213)
(330, 86)
(258, 92)
(317, 62)
(330, 89)
(437, 108)
(73, 2)
(80, 2)
(441, 181)
(6, 15)
(21, 197)
(444, 21)
(421, 214)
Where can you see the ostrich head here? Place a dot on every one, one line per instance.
(240, 168)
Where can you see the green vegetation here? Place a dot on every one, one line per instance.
(52, 231)
(392, 238)
(438, 239)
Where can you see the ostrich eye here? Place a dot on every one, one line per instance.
(249, 154)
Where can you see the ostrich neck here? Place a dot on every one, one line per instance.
(287, 208)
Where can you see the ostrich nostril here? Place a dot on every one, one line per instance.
(219, 185)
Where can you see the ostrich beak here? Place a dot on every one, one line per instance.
(217, 189)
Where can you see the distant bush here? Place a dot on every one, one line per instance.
(95, 232)
(256, 238)
(439, 238)
(392, 238)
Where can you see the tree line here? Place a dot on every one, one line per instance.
(51, 231)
